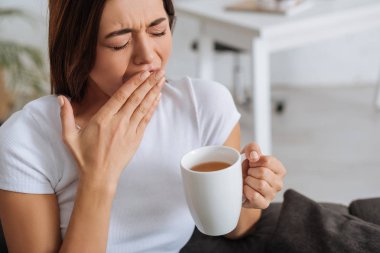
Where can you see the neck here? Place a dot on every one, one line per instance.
(93, 100)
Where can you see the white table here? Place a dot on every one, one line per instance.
(262, 34)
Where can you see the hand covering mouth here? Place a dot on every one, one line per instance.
(126, 77)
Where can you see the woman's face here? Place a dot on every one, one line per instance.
(134, 35)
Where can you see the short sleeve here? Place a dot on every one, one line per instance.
(216, 111)
(24, 156)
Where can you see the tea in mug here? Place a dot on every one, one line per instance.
(210, 166)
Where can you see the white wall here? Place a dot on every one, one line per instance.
(350, 60)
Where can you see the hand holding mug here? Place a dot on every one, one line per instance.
(263, 177)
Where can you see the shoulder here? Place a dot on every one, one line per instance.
(44, 108)
(214, 106)
(31, 124)
(203, 93)
(199, 86)
(208, 86)
(211, 94)
(27, 141)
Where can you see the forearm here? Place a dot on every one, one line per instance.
(89, 222)
(248, 218)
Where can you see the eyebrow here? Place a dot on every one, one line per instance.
(128, 30)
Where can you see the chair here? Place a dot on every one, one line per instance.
(238, 91)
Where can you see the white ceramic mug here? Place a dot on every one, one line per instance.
(214, 198)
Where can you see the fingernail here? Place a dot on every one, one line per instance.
(61, 102)
(144, 75)
(254, 155)
(160, 74)
(159, 96)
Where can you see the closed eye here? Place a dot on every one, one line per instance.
(159, 34)
(120, 47)
(117, 48)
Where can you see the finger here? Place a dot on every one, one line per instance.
(252, 151)
(154, 82)
(245, 168)
(268, 175)
(261, 186)
(253, 199)
(144, 122)
(270, 162)
(142, 110)
(263, 173)
(67, 118)
(118, 99)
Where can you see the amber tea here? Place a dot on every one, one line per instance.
(210, 166)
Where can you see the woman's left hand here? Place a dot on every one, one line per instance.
(263, 177)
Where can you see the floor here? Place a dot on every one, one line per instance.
(329, 141)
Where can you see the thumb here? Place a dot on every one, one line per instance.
(67, 117)
(252, 151)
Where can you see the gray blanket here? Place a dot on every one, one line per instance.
(306, 226)
(302, 225)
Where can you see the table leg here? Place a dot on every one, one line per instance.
(261, 106)
(377, 95)
(205, 57)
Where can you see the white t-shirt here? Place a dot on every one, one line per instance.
(149, 212)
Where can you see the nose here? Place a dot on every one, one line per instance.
(143, 52)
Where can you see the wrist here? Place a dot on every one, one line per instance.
(247, 221)
(99, 186)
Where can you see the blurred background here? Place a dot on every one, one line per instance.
(325, 127)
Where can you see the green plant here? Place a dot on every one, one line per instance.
(22, 70)
(24, 64)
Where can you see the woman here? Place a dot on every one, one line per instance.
(99, 170)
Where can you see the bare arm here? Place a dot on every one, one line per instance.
(30, 222)
(89, 222)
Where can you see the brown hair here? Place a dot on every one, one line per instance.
(73, 33)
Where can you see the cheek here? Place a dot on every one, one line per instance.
(166, 49)
(109, 69)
